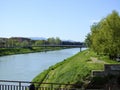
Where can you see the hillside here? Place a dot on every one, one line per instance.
(76, 69)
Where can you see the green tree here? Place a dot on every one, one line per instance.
(57, 41)
(39, 42)
(113, 23)
(104, 37)
(51, 40)
(25, 43)
(88, 40)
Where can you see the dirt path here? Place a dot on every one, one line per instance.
(95, 60)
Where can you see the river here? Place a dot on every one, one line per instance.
(25, 67)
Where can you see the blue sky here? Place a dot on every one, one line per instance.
(66, 19)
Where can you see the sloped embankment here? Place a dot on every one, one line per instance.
(76, 69)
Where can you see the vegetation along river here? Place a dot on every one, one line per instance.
(25, 67)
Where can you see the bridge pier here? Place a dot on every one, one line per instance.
(80, 49)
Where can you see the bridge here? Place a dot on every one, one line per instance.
(58, 45)
(48, 45)
(73, 46)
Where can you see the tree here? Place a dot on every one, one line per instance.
(88, 40)
(105, 35)
(25, 43)
(113, 22)
(57, 40)
(51, 40)
(39, 42)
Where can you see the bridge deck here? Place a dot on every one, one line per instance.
(58, 45)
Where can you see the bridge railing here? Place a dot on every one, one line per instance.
(24, 85)
(46, 45)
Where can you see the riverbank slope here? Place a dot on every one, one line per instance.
(74, 70)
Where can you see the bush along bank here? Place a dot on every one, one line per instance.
(11, 51)
(74, 70)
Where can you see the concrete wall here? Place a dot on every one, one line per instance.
(113, 69)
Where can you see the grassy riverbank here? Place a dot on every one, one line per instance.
(74, 70)
(11, 51)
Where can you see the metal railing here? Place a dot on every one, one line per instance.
(24, 85)
(76, 46)
(14, 85)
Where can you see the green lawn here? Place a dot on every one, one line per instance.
(76, 69)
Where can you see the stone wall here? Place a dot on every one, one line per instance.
(112, 69)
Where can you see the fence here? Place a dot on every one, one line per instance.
(24, 85)
(104, 87)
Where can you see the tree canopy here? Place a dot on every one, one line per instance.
(104, 37)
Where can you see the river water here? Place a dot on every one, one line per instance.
(25, 67)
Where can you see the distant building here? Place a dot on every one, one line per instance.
(3, 42)
(21, 39)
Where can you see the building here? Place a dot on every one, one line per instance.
(3, 42)
(20, 39)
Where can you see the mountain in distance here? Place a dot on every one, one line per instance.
(43, 38)
(37, 38)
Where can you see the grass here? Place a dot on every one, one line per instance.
(11, 51)
(74, 69)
